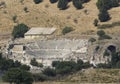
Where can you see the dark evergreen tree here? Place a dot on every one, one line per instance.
(37, 1)
(62, 4)
(19, 30)
(53, 1)
(104, 16)
(77, 4)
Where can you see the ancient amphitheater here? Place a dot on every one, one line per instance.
(47, 51)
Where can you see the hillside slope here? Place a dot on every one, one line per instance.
(46, 14)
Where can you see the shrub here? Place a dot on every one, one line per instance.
(86, 65)
(14, 19)
(84, 1)
(53, 1)
(55, 63)
(40, 77)
(92, 40)
(105, 37)
(34, 62)
(100, 33)
(26, 9)
(49, 72)
(37, 1)
(77, 4)
(19, 30)
(106, 53)
(67, 30)
(18, 76)
(95, 22)
(62, 4)
(104, 16)
(25, 67)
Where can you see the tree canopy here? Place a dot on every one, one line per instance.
(19, 30)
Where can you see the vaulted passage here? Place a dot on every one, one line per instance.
(112, 48)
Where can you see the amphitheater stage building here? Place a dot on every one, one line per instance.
(39, 32)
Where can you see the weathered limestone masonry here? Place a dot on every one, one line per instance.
(46, 51)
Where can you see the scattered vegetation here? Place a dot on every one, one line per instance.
(104, 16)
(96, 22)
(67, 30)
(62, 4)
(35, 63)
(103, 6)
(104, 26)
(6, 64)
(53, 1)
(14, 19)
(18, 76)
(26, 9)
(37, 1)
(102, 35)
(92, 40)
(77, 4)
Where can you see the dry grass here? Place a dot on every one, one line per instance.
(46, 14)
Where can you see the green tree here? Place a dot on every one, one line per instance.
(49, 72)
(14, 18)
(100, 33)
(37, 1)
(62, 4)
(19, 30)
(34, 62)
(104, 16)
(92, 40)
(53, 1)
(25, 67)
(77, 4)
(95, 22)
(17, 76)
(67, 30)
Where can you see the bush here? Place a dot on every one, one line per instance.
(26, 9)
(65, 70)
(17, 76)
(67, 30)
(77, 4)
(95, 22)
(106, 53)
(104, 16)
(104, 65)
(14, 19)
(84, 1)
(40, 77)
(53, 1)
(92, 40)
(34, 62)
(105, 37)
(62, 4)
(19, 30)
(49, 72)
(25, 67)
(55, 63)
(86, 65)
(100, 33)
(37, 1)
